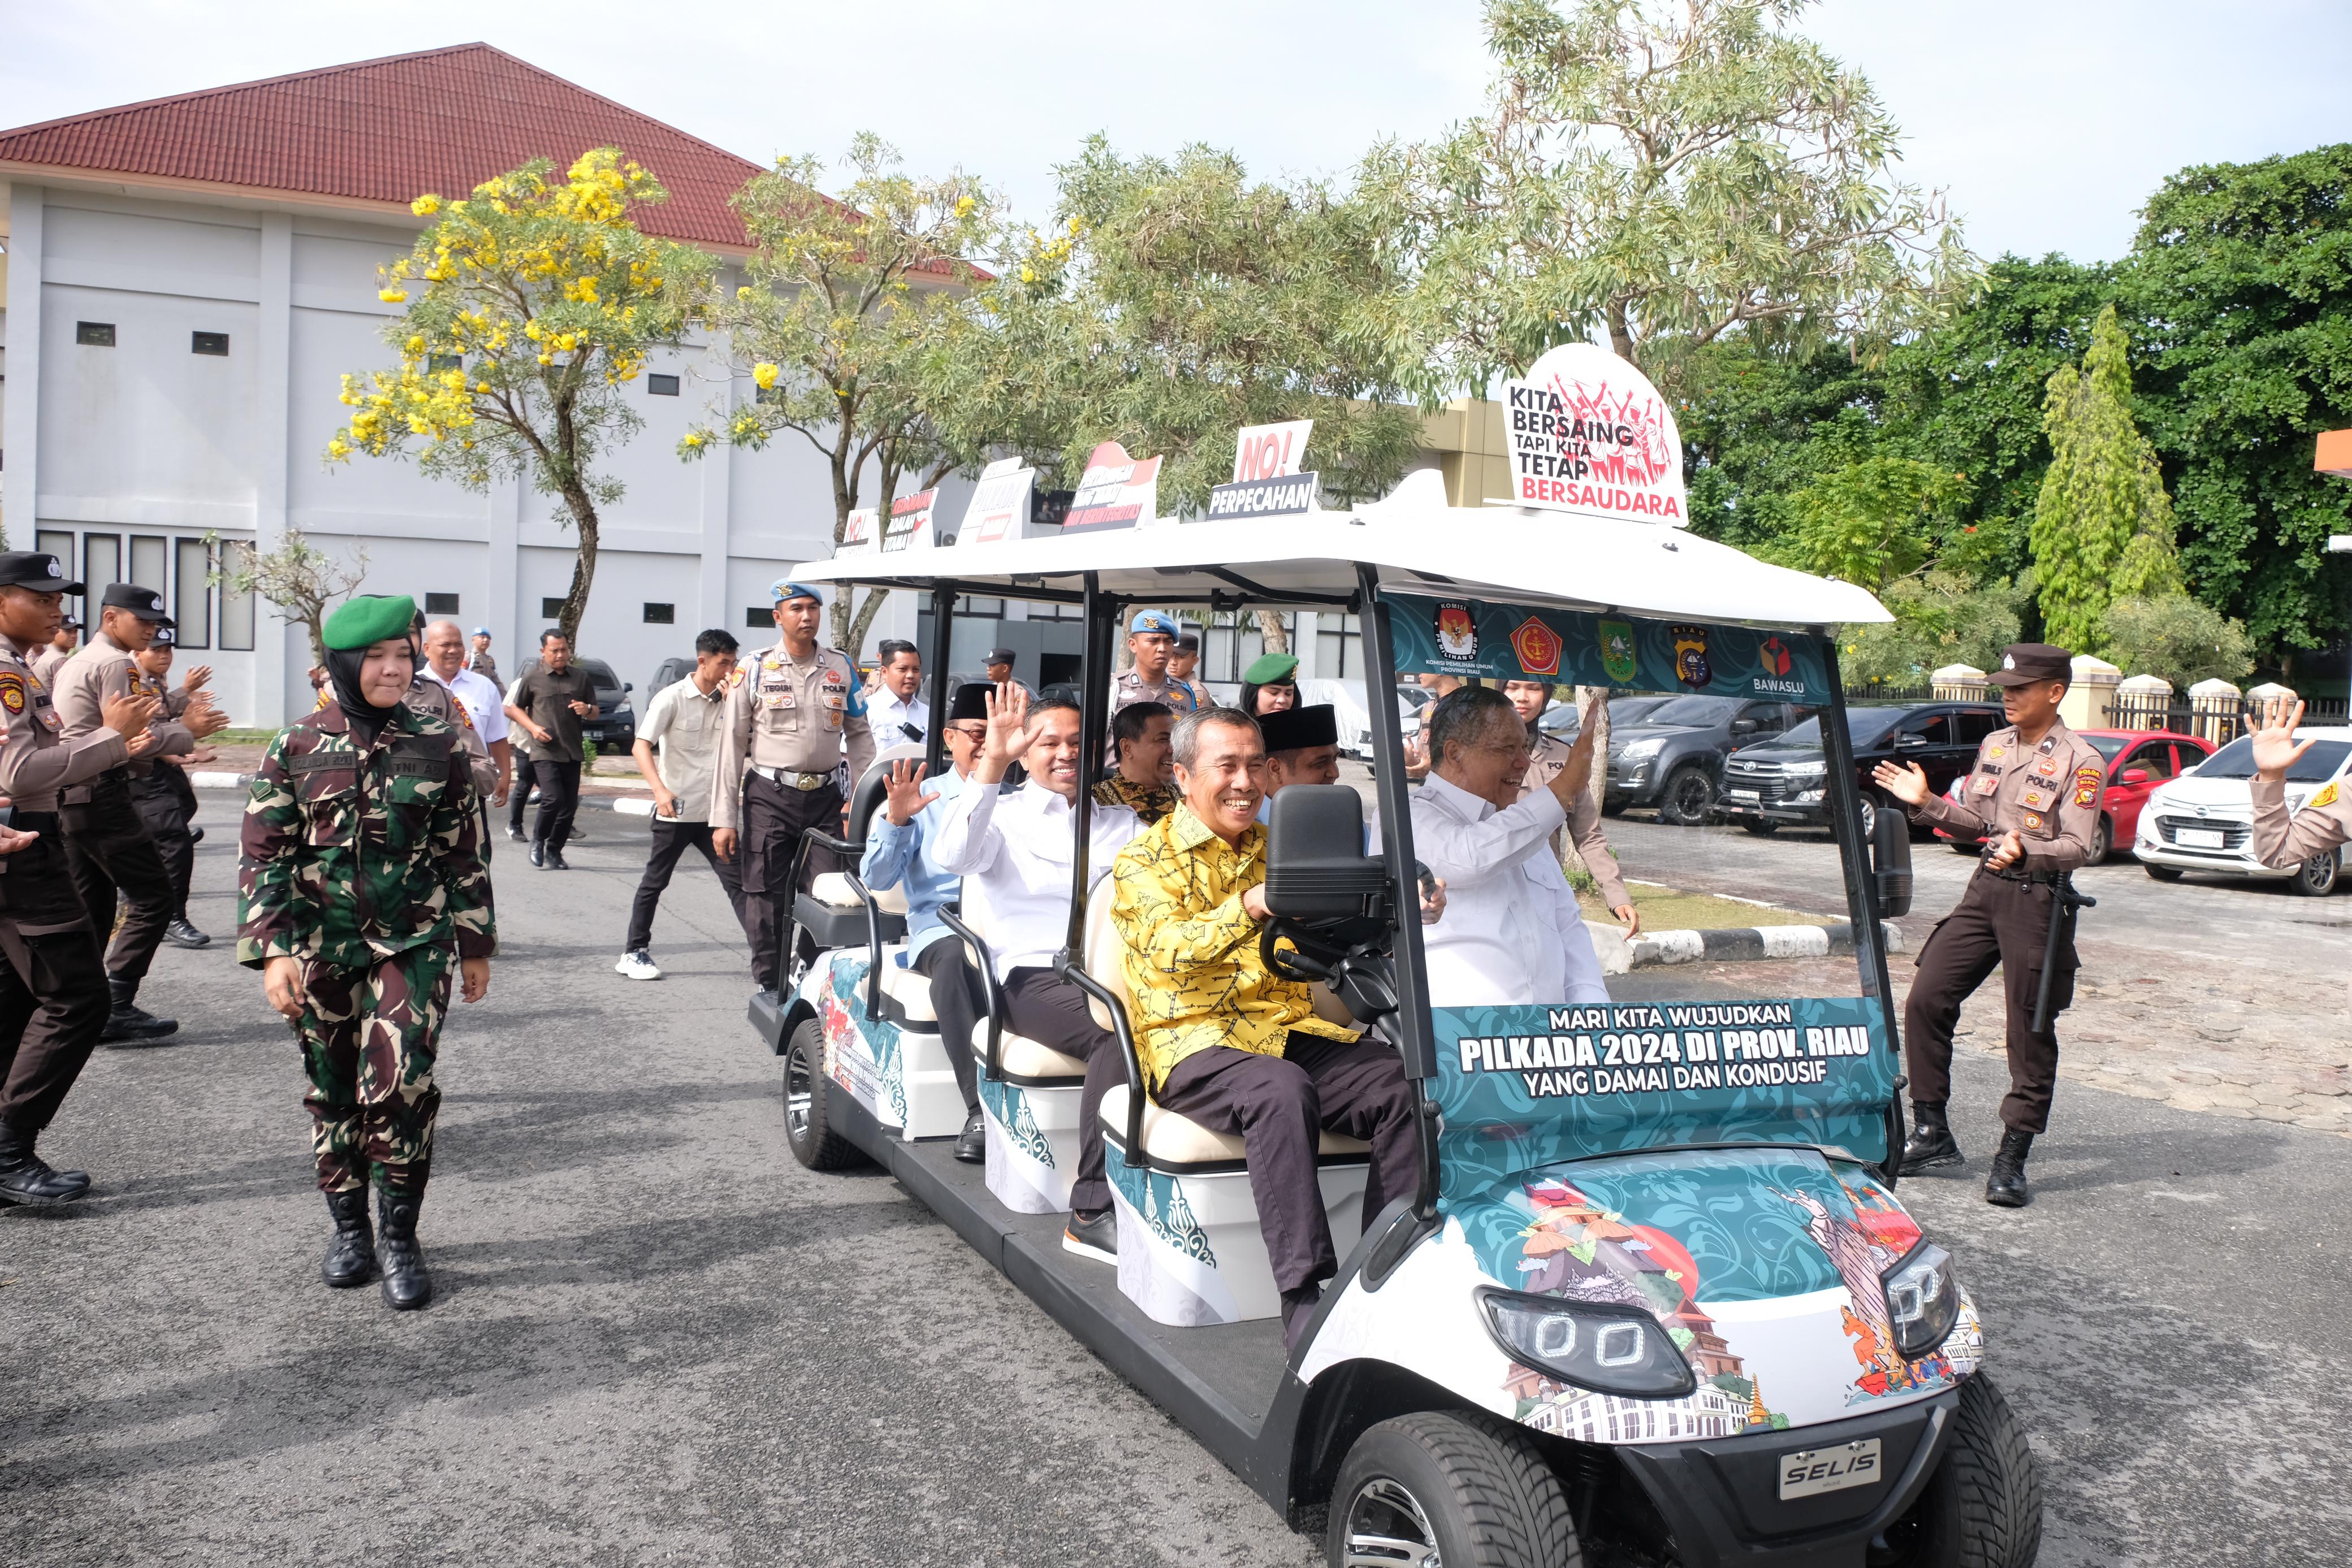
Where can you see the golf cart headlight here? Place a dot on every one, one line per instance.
(1607, 1349)
(1922, 1300)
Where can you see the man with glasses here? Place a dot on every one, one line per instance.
(899, 850)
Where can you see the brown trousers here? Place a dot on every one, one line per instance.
(110, 852)
(1997, 922)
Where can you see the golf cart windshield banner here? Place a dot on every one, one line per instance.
(1512, 643)
(1520, 1087)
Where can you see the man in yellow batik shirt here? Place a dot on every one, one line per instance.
(1226, 1043)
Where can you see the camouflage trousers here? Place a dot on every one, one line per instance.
(368, 1037)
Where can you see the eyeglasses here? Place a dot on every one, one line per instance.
(974, 733)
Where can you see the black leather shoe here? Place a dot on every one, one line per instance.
(1930, 1147)
(26, 1178)
(180, 933)
(1096, 1235)
(576, 836)
(130, 1021)
(517, 835)
(555, 861)
(972, 1144)
(2006, 1186)
(537, 853)
(406, 1285)
(350, 1256)
(195, 835)
(1298, 1309)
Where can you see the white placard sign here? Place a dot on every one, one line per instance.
(1117, 492)
(859, 534)
(1000, 504)
(910, 521)
(1589, 433)
(1270, 451)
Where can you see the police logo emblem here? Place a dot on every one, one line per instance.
(12, 694)
(1691, 666)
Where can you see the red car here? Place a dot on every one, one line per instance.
(2138, 760)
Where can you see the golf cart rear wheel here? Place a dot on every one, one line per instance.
(2316, 878)
(806, 1090)
(1982, 1507)
(1686, 799)
(1460, 1490)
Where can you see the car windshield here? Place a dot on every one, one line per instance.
(1698, 711)
(1867, 725)
(1414, 698)
(2236, 760)
(2110, 746)
(601, 674)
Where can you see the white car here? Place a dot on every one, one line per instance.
(1354, 718)
(2203, 820)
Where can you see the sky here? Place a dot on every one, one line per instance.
(2048, 123)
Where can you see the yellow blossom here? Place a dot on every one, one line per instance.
(763, 375)
(425, 206)
(392, 296)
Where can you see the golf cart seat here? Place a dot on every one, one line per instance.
(1191, 1250)
(1028, 1099)
(834, 909)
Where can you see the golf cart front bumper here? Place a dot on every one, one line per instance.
(1720, 1497)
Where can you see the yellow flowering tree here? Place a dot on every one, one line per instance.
(531, 307)
(848, 307)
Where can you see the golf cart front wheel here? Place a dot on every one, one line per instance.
(814, 1143)
(1451, 1488)
(1982, 1507)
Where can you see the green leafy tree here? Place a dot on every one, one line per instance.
(2179, 638)
(1940, 618)
(2103, 526)
(1664, 173)
(1869, 523)
(849, 306)
(2243, 273)
(530, 309)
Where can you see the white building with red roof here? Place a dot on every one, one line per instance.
(186, 282)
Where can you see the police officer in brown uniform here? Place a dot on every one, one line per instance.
(106, 841)
(53, 998)
(2033, 798)
(2323, 821)
(48, 660)
(791, 711)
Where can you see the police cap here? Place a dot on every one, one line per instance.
(35, 570)
(144, 602)
(2028, 663)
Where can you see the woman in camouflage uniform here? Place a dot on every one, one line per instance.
(361, 887)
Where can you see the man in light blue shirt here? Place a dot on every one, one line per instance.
(897, 851)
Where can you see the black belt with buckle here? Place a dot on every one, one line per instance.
(785, 777)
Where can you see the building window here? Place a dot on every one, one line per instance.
(759, 618)
(192, 599)
(94, 334)
(551, 608)
(208, 343)
(661, 386)
(149, 562)
(440, 604)
(236, 609)
(661, 615)
(435, 363)
(767, 396)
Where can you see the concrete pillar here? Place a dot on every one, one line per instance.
(2143, 701)
(2270, 692)
(22, 437)
(281, 649)
(2214, 710)
(2089, 702)
(1959, 682)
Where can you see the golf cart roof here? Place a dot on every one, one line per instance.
(1516, 554)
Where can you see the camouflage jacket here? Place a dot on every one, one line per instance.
(354, 853)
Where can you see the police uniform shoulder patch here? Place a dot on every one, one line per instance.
(2325, 798)
(2087, 797)
(464, 717)
(12, 692)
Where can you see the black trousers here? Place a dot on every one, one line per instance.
(2006, 923)
(773, 819)
(1053, 1012)
(1280, 1105)
(110, 851)
(959, 999)
(672, 840)
(559, 798)
(53, 998)
(526, 780)
(167, 803)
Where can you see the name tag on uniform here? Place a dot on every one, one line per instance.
(321, 762)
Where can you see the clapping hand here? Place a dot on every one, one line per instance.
(202, 718)
(904, 781)
(2275, 749)
(194, 681)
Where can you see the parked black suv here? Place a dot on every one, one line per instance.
(1783, 782)
(1672, 755)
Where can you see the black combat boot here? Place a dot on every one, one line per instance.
(26, 1178)
(180, 933)
(2006, 1186)
(1930, 1147)
(406, 1285)
(129, 1020)
(350, 1256)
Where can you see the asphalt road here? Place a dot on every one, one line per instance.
(658, 1339)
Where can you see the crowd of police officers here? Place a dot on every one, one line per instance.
(86, 893)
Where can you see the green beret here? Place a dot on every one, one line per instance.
(1270, 669)
(368, 619)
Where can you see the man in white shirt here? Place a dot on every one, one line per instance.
(1512, 935)
(895, 711)
(682, 721)
(1017, 848)
(445, 661)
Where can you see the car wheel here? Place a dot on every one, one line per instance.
(1464, 1490)
(1686, 799)
(2316, 878)
(2162, 873)
(1869, 817)
(813, 1141)
(1982, 1507)
(1761, 829)
(2103, 841)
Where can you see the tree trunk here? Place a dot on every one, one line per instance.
(1621, 331)
(1277, 636)
(855, 642)
(583, 564)
(1598, 789)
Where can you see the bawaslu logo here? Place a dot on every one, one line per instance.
(1590, 434)
(1778, 663)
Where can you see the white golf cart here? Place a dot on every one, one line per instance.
(1654, 1300)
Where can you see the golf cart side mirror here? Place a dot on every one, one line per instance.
(1891, 862)
(1315, 869)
